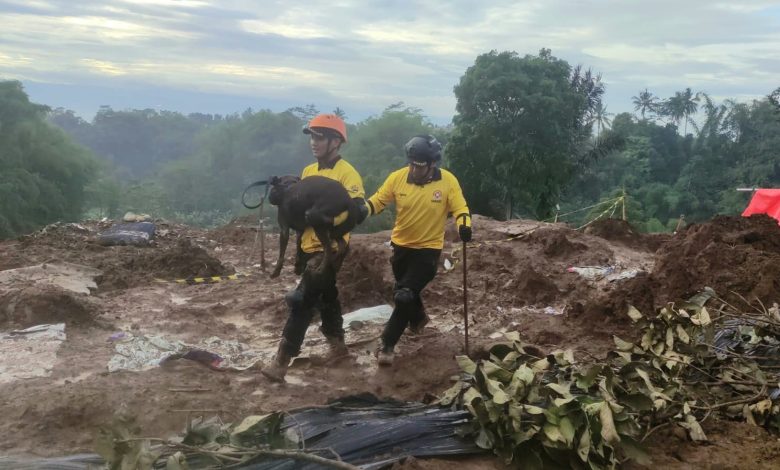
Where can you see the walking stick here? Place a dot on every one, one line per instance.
(262, 239)
(465, 301)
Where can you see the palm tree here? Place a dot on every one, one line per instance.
(589, 85)
(714, 121)
(340, 113)
(600, 117)
(644, 102)
(681, 106)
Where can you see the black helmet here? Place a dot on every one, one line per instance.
(423, 149)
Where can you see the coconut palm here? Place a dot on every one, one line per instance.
(600, 117)
(645, 102)
(681, 106)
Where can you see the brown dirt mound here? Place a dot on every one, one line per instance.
(62, 235)
(729, 254)
(615, 302)
(182, 260)
(620, 231)
(532, 287)
(365, 280)
(556, 243)
(239, 231)
(37, 305)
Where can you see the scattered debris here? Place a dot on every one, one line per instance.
(592, 273)
(72, 277)
(137, 353)
(552, 311)
(31, 352)
(610, 273)
(622, 275)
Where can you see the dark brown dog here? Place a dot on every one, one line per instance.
(312, 202)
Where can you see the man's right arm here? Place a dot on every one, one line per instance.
(382, 197)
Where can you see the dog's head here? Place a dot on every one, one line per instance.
(279, 186)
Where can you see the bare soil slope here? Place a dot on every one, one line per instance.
(520, 278)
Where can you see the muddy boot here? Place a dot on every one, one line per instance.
(337, 348)
(385, 356)
(278, 368)
(418, 328)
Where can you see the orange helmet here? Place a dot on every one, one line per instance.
(324, 124)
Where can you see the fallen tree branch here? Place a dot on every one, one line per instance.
(732, 403)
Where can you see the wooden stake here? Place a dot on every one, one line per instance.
(624, 203)
(680, 223)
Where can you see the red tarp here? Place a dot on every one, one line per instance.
(765, 201)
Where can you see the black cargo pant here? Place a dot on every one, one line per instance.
(313, 291)
(413, 269)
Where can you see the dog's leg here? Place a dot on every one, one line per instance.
(300, 264)
(316, 217)
(284, 237)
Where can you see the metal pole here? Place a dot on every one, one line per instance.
(465, 301)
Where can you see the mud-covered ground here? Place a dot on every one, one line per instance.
(518, 280)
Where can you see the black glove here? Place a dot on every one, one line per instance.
(362, 208)
(465, 233)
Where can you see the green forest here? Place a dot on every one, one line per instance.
(531, 137)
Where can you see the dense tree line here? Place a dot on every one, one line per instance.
(531, 137)
(43, 173)
(667, 175)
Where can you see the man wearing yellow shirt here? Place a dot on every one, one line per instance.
(327, 133)
(424, 196)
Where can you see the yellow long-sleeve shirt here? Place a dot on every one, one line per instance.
(421, 210)
(345, 174)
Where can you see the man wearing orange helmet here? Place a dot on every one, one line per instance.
(327, 133)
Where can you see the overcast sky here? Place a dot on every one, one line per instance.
(224, 56)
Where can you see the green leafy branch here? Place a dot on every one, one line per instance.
(553, 412)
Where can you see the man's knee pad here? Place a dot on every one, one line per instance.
(294, 299)
(404, 297)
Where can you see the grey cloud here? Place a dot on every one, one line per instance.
(388, 49)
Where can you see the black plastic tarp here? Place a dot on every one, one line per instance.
(363, 430)
(373, 434)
